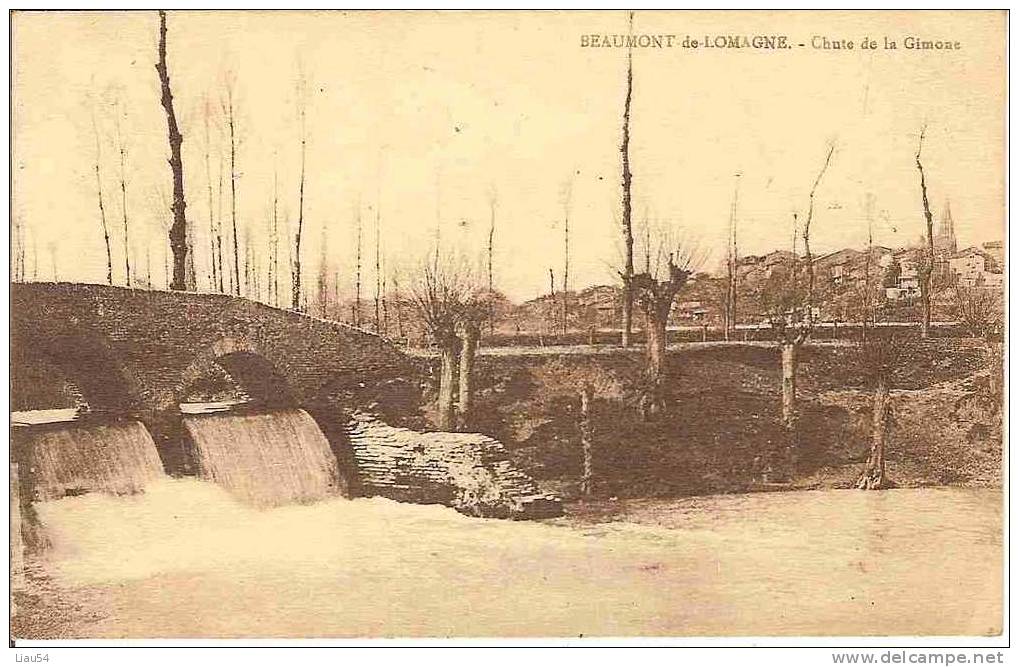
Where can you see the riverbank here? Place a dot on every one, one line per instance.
(722, 430)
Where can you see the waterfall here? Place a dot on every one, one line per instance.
(265, 459)
(61, 460)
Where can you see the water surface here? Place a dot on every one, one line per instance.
(186, 559)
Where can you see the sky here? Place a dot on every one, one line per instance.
(424, 119)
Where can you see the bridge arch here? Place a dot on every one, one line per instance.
(105, 382)
(250, 367)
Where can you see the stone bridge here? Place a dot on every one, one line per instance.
(137, 353)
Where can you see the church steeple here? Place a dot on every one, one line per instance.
(944, 240)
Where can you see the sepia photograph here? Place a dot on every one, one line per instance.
(552, 326)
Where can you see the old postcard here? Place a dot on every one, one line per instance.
(395, 324)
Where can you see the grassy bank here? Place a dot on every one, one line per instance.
(721, 432)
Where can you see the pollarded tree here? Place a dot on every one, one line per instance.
(445, 297)
(879, 358)
(584, 384)
(654, 292)
(791, 306)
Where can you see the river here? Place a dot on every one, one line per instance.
(186, 560)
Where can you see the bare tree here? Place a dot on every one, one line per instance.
(296, 284)
(792, 315)
(732, 269)
(867, 302)
(227, 285)
(469, 331)
(17, 249)
(378, 271)
(398, 303)
(231, 121)
(249, 263)
(627, 205)
(102, 209)
(567, 196)
(551, 319)
(323, 274)
(591, 384)
(385, 306)
(273, 286)
(443, 293)
(492, 199)
(879, 358)
(178, 231)
(926, 264)
(981, 312)
(357, 265)
(214, 268)
(123, 196)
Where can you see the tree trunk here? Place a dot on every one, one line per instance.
(627, 203)
(213, 269)
(447, 382)
(789, 364)
(357, 275)
(233, 201)
(219, 227)
(123, 208)
(469, 345)
(296, 286)
(491, 282)
(873, 476)
(656, 347)
(378, 274)
(102, 209)
(566, 270)
(178, 231)
(653, 401)
(927, 264)
(587, 474)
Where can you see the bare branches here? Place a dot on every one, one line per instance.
(102, 209)
(123, 197)
(979, 310)
(806, 226)
(445, 296)
(926, 267)
(228, 111)
(567, 196)
(301, 103)
(492, 200)
(732, 267)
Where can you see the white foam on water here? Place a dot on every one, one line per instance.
(188, 559)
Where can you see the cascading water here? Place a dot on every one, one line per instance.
(72, 459)
(265, 459)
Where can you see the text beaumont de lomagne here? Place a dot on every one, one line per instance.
(666, 41)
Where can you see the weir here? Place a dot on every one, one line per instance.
(265, 459)
(68, 459)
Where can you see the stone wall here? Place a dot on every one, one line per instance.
(468, 471)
